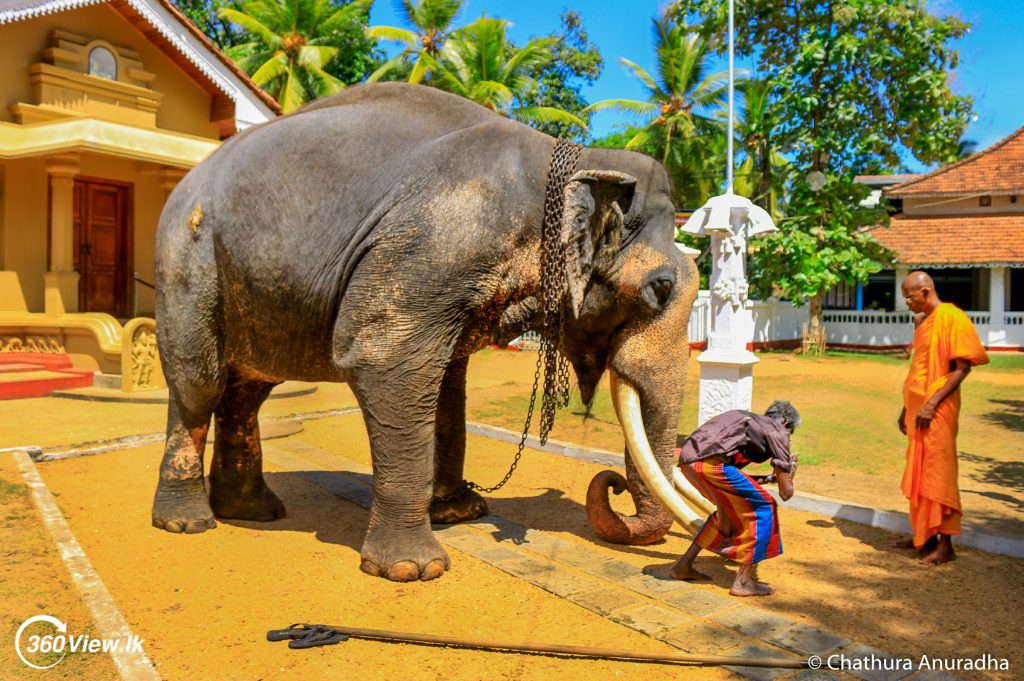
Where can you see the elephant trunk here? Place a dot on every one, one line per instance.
(648, 477)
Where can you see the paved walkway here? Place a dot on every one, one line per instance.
(691, 619)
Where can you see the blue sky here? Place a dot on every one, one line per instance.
(991, 66)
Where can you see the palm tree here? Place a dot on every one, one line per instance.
(763, 173)
(479, 63)
(431, 21)
(291, 44)
(678, 115)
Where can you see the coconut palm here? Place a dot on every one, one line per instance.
(762, 174)
(291, 44)
(431, 21)
(479, 63)
(678, 117)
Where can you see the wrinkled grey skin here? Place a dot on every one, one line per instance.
(380, 237)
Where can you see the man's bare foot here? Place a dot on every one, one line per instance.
(751, 589)
(687, 573)
(746, 583)
(943, 553)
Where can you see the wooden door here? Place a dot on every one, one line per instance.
(102, 234)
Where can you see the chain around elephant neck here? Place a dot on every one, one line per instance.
(551, 296)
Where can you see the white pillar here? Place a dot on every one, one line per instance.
(901, 274)
(727, 367)
(996, 307)
(997, 295)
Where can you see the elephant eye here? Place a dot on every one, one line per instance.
(658, 289)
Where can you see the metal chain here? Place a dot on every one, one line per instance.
(552, 290)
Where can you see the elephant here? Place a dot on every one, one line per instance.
(379, 237)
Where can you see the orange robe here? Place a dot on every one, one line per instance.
(930, 478)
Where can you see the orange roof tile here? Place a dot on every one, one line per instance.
(955, 239)
(996, 170)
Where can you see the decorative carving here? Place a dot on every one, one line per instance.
(732, 291)
(735, 244)
(716, 397)
(144, 358)
(46, 345)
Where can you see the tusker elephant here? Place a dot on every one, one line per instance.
(380, 237)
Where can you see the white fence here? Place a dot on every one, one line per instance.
(780, 324)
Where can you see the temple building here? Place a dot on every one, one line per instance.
(107, 104)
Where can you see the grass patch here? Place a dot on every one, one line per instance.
(11, 490)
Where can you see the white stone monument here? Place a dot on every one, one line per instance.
(727, 366)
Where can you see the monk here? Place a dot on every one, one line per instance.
(946, 346)
(745, 526)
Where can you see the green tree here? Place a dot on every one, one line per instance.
(861, 83)
(575, 61)
(204, 14)
(679, 114)
(432, 22)
(763, 172)
(478, 63)
(292, 44)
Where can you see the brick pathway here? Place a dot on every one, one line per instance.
(687, 617)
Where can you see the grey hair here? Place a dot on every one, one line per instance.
(785, 413)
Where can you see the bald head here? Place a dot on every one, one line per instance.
(917, 280)
(919, 292)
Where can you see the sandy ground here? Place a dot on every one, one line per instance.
(203, 603)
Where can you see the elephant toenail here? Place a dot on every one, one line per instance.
(174, 526)
(370, 568)
(404, 571)
(434, 569)
(196, 526)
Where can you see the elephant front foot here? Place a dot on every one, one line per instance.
(465, 505)
(403, 557)
(249, 501)
(181, 506)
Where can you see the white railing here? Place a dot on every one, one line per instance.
(868, 328)
(700, 318)
(780, 321)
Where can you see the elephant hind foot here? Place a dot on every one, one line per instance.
(249, 502)
(401, 558)
(182, 507)
(468, 505)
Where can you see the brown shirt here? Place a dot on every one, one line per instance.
(757, 438)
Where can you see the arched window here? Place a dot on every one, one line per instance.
(102, 63)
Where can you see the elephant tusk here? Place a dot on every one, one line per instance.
(690, 493)
(627, 408)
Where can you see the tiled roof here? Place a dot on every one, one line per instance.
(996, 170)
(951, 240)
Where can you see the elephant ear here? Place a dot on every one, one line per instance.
(595, 202)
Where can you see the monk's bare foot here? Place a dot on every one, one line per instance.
(687, 573)
(943, 553)
(751, 589)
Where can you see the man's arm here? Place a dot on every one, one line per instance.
(956, 377)
(785, 481)
(902, 421)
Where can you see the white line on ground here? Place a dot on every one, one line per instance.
(133, 665)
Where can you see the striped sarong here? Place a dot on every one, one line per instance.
(745, 528)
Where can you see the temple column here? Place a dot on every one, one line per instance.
(61, 279)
